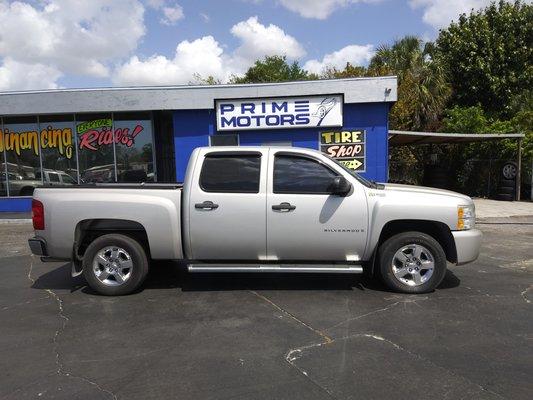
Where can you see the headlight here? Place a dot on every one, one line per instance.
(466, 217)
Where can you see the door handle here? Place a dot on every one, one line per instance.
(206, 205)
(284, 207)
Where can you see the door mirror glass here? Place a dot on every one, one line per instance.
(340, 186)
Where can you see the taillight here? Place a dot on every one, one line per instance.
(37, 215)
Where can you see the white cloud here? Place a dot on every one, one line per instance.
(258, 40)
(172, 14)
(319, 9)
(172, 11)
(15, 75)
(206, 57)
(201, 56)
(81, 37)
(205, 17)
(353, 54)
(439, 13)
(155, 4)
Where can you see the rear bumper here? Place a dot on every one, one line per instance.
(467, 244)
(38, 246)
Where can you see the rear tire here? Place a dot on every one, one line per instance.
(507, 183)
(411, 262)
(115, 265)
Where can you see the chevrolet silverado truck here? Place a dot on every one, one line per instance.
(257, 209)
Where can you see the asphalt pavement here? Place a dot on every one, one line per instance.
(269, 336)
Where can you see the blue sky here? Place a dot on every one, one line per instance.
(358, 23)
(77, 43)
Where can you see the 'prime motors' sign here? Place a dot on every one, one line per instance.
(279, 113)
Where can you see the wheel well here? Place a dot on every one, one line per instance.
(438, 230)
(90, 229)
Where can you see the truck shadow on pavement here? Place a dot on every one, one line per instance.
(169, 275)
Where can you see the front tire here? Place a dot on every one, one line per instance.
(412, 262)
(115, 265)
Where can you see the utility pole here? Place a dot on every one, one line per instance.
(519, 172)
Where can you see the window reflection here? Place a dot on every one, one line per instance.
(294, 174)
(58, 149)
(74, 149)
(3, 180)
(21, 142)
(230, 174)
(95, 147)
(133, 138)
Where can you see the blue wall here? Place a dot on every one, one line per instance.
(193, 127)
(15, 204)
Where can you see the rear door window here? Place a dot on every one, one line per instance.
(53, 177)
(68, 179)
(231, 173)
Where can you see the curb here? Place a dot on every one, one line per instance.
(15, 221)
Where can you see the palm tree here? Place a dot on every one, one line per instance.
(422, 86)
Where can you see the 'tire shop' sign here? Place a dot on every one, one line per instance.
(346, 146)
(276, 113)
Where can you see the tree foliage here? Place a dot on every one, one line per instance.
(273, 69)
(349, 71)
(489, 57)
(423, 89)
(477, 77)
(475, 120)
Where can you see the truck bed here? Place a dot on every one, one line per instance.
(155, 208)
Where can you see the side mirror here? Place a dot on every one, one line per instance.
(340, 186)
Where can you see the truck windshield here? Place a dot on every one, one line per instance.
(366, 182)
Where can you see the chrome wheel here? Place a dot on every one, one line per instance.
(413, 265)
(112, 266)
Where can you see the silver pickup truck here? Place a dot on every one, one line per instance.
(257, 209)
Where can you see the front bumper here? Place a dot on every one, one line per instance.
(38, 246)
(467, 244)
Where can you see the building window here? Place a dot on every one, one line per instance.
(96, 151)
(224, 140)
(134, 147)
(20, 139)
(58, 147)
(64, 150)
(3, 173)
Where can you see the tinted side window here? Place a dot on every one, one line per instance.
(231, 173)
(68, 179)
(53, 177)
(294, 174)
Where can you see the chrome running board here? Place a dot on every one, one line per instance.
(303, 268)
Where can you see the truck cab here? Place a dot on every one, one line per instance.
(278, 203)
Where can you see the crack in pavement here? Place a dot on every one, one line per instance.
(326, 340)
(405, 301)
(524, 294)
(60, 368)
(298, 352)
